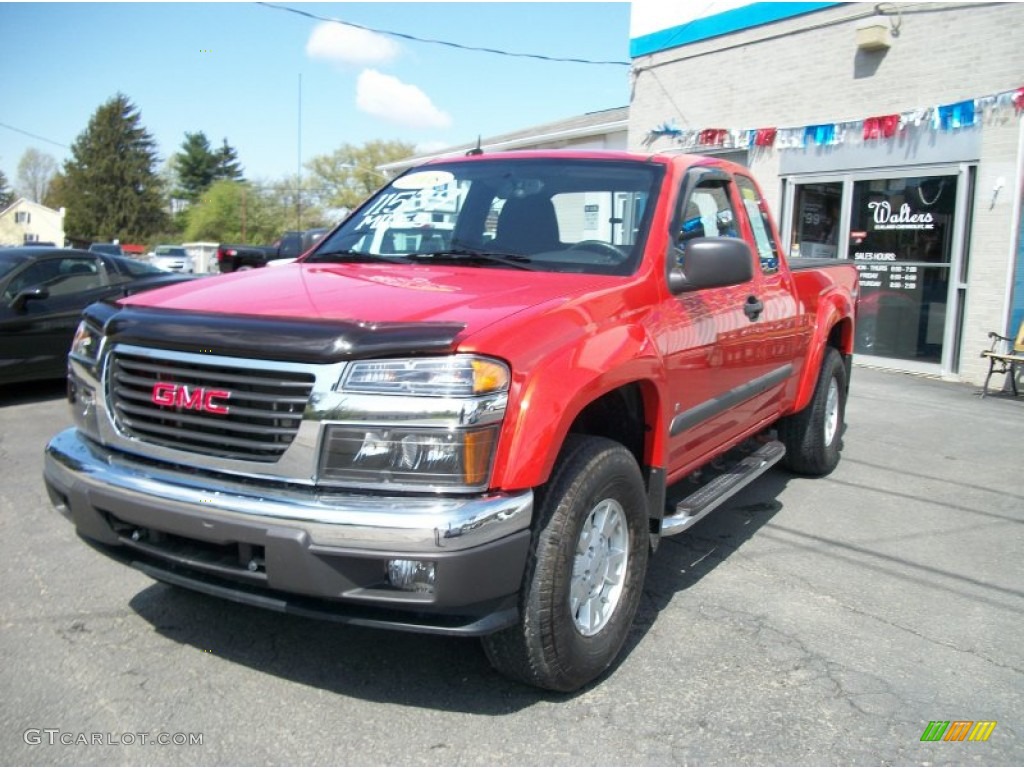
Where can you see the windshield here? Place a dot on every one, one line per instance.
(169, 250)
(552, 214)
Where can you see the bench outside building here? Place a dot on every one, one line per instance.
(1004, 358)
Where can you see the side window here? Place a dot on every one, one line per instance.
(708, 212)
(62, 276)
(760, 225)
(77, 274)
(38, 274)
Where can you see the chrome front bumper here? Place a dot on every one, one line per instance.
(385, 523)
(190, 527)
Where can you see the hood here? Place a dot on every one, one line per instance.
(327, 311)
(372, 293)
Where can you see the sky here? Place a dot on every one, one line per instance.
(283, 88)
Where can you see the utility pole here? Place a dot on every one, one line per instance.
(298, 162)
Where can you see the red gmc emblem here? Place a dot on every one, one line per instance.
(194, 398)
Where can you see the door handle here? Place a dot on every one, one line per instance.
(753, 307)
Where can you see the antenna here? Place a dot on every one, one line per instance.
(477, 150)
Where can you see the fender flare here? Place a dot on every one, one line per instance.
(543, 407)
(833, 325)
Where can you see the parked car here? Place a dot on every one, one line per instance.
(42, 293)
(234, 257)
(400, 240)
(111, 249)
(171, 258)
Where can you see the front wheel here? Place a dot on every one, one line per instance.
(813, 435)
(585, 575)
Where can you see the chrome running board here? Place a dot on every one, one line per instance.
(722, 488)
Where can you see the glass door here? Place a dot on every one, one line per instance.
(901, 238)
(905, 233)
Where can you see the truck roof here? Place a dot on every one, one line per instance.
(662, 158)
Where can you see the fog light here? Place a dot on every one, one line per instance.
(412, 575)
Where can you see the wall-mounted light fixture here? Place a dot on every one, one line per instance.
(874, 34)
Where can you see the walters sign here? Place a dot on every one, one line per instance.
(884, 217)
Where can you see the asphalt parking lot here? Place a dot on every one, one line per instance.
(810, 622)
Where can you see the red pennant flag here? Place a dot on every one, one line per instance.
(890, 123)
(712, 137)
(882, 127)
(765, 137)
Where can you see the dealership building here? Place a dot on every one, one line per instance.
(887, 134)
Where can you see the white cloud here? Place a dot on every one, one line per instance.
(389, 98)
(349, 45)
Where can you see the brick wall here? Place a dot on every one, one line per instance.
(807, 70)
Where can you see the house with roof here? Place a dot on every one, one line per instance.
(25, 222)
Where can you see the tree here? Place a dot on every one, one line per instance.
(6, 196)
(228, 167)
(295, 202)
(56, 191)
(111, 188)
(349, 175)
(242, 212)
(218, 214)
(195, 165)
(198, 165)
(35, 172)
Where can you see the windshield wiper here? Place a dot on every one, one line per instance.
(470, 254)
(349, 255)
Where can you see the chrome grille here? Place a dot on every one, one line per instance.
(264, 407)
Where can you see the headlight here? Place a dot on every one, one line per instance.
(86, 344)
(408, 457)
(461, 376)
(83, 377)
(417, 424)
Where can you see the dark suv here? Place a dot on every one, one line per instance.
(110, 249)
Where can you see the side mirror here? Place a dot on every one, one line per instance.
(712, 262)
(23, 297)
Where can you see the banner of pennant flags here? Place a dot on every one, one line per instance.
(947, 117)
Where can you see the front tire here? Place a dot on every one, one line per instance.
(585, 575)
(812, 436)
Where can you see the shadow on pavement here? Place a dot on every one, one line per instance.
(444, 673)
(428, 671)
(28, 392)
(683, 560)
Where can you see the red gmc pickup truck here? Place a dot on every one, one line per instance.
(481, 435)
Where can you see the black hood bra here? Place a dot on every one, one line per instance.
(304, 341)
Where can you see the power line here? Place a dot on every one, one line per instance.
(445, 43)
(34, 136)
